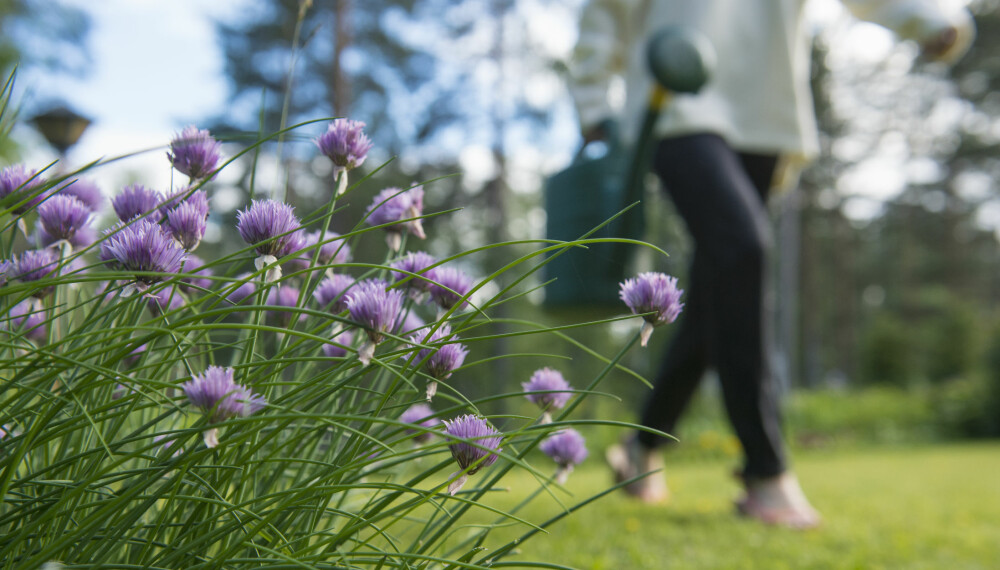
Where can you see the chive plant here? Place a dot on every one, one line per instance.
(285, 406)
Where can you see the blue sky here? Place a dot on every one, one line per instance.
(156, 68)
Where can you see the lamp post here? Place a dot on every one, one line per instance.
(62, 127)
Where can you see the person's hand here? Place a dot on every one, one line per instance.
(939, 46)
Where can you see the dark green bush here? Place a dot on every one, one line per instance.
(967, 407)
(887, 352)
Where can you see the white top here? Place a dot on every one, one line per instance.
(758, 96)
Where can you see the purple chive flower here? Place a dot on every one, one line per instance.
(85, 191)
(187, 222)
(246, 289)
(214, 392)
(444, 359)
(345, 143)
(283, 296)
(135, 200)
(330, 292)
(142, 246)
(567, 448)
(36, 264)
(61, 216)
(376, 309)
(195, 266)
(334, 250)
(414, 262)
(343, 339)
(420, 415)
(21, 183)
(450, 285)
(28, 318)
(194, 153)
(392, 205)
(480, 451)
(269, 226)
(6, 271)
(551, 385)
(136, 354)
(439, 362)
(654, 293)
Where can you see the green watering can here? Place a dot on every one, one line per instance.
(592, 190)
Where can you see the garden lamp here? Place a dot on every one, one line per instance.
(61, 126)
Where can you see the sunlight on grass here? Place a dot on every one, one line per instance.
(926, 507)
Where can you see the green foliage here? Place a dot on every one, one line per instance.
(948, 335)
(933, 336)
(875, 415)
(886, 352)
(967, 407)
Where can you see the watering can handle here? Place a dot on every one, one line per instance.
(681, 61)
(612, 138)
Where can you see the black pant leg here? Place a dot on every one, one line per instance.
(723, 206)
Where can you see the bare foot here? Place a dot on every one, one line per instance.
(629, 459)
(778, 501)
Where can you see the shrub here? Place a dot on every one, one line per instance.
(886, 354)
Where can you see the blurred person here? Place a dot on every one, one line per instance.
(718, 155)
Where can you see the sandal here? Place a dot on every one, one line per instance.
(778, 501)
(627, 460)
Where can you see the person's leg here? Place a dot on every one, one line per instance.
(683, 366)
(724, 323)
(779, 499)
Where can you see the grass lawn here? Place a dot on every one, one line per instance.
(927, 507)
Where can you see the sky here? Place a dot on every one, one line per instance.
(157, 68)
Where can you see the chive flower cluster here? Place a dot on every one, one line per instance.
(194, 152)
(20, 188)
(144, 248)
(376, 308)
(271, 227)
(215, 393)
(345, 143)
(398, 211)
(475, 444)
(548, 390)
(656, 297)
(567, 448)
(441, 360)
